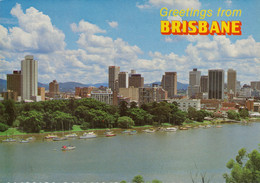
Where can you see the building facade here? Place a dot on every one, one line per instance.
(255, 85)
(216, 84)
(231, 81)
(184, 104)
(136, 80)
(103, 96)
(153, 94)
(204, 84)
(169, 83)
(14, 82)
(29, 77)
(113, 72)
(131, 92)
(123, 80)
(41, 92)
(54, 89)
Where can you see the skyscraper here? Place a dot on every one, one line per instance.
(204, 84)
(14, 82)
(194, 84)
(113, 72)
(123, 80)
(54, 88)
(231, 81)
(255, 85)
(216, 84)
(169, 83)
(29, 77)
(136, 80)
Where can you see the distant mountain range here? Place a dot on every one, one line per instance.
(70, 86)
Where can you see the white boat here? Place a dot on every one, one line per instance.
(133, 132)
(149, 130)
(9, 140)
(59, 138)
(30, 138)
(67, 148)
(72, 135)
(88, 135)
(51, 136)
(24, 141)
(126, 131)
(172, 129)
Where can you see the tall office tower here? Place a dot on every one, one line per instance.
(255, 85)
(132, 72)
(231, 81)
(123, 80)
(136, 80)
(216, 84)
(194, 84)
(169, 83)
(29, 77)
(113, 72)
(14, 82)
(54, 88)
(204, 84)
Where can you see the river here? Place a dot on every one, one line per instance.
(167, 156)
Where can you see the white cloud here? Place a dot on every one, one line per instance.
(86, 27)
(113, 24)
(176, 4)
(35, 33)
(228, 2)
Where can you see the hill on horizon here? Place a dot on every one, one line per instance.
(70, 86)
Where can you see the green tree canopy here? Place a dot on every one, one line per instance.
(31, 121)
(125, 122)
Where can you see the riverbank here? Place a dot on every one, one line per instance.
(15, 133)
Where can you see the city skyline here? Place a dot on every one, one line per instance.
(80, 47)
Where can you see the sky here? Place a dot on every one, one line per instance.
(76, 40)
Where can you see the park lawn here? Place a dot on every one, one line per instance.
(12, 131)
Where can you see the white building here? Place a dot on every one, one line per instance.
(184, 104)
(29, 78)
(103, 96)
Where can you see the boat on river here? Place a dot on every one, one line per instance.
(67, 148)
(50, 136)
(149, 130)
(171, 129)
(88, 135)
(133, 132)
(9, 140)
(59, 138)
(24, 141)
(126, 131)
(72, 135)
(110, 134)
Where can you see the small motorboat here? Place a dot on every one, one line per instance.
(30, 138)
(72, 135)
(24, 141)
(126, 131)
(51, 136)
(183, 128)
(59, 138)
(88, 135)
(219, 126)
(172, 129)
(133, 132)
(9, 140)
(67, 148)
(110, 134)
(149, 130)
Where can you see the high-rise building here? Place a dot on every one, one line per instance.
(136, 80)
(54, 88)
(152, 94)
(169, 83)
(41, 92)
(216, 84)
(14, 82)
(123, 80)
(255, 85)
(204, 84)
(29, 77)
(113, 72)
(231, 81)
(194, 83)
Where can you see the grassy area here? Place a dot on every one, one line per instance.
(145, 126)
(12, 131)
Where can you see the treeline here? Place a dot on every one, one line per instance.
(58, 115)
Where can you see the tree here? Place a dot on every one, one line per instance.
(10, 111)
(233, 115)
(138, 179)
(243, 113)
(140, 116)
(133, 105)
(31, 121)
(156, 181)
(125, 122)
(123, 108)
(178, 117)
(246, 168)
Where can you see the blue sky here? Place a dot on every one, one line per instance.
(78, 40)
